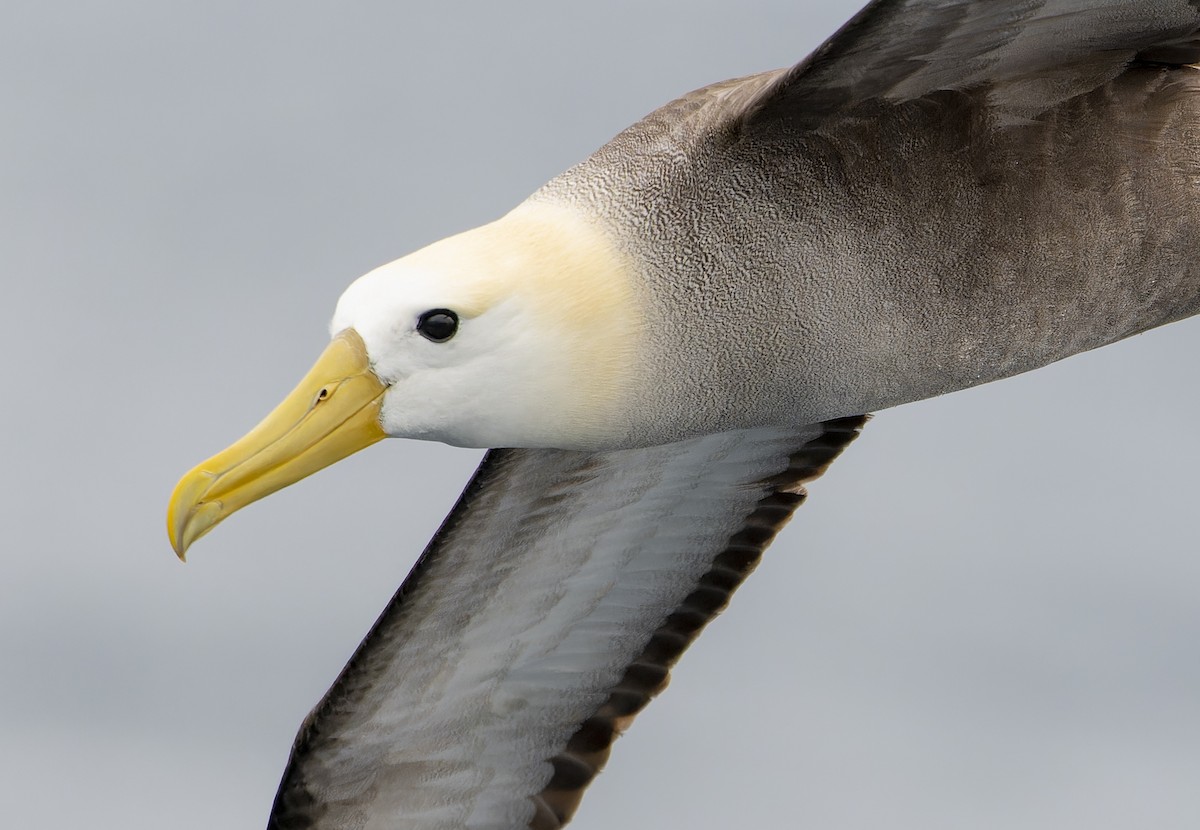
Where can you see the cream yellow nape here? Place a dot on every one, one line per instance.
(547, 343)
(544, 355)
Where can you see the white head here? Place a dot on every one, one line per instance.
(520, 333)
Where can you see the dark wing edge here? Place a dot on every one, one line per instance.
(293, 799)
(1031, 55)
(575, 763)
(589, 748)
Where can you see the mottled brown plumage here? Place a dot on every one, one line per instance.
(893, 250)
(944, 194)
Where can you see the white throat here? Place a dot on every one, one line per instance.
(546, 351)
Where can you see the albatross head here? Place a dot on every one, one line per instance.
(521, 333)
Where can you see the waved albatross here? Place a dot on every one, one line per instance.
(676, 335)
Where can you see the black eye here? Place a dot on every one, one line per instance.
(438, 325)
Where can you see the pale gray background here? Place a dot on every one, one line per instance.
(987, 615)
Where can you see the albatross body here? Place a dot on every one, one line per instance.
(673, 337)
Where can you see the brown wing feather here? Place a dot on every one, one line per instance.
(387, 745)
(1030, 55)
(588, 749)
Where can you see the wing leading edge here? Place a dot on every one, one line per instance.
(543, 616)
(1028, 56)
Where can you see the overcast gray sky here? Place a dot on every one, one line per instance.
(986, 616)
